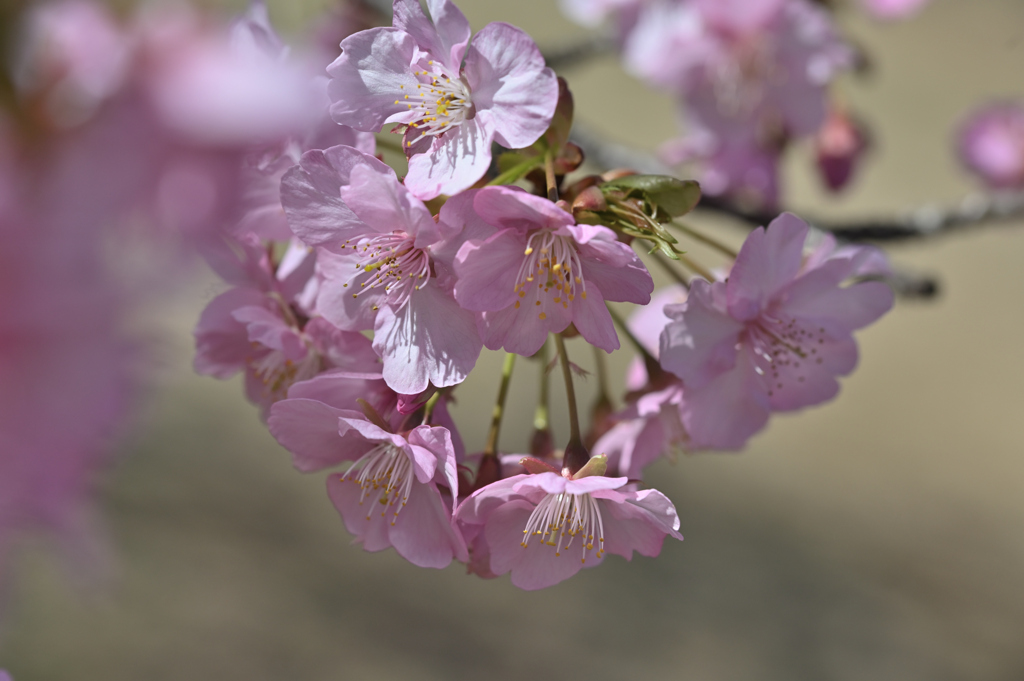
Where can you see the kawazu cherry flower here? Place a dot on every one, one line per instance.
(261, 326)
(453, 96)
(991, 144)
(773, 337)
(389, 496)
(538, 271)
(374, 244)
(545, 527)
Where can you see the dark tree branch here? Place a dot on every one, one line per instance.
(924, 222)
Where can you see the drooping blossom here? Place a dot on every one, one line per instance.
(774, 337)
(389, 496)
(455, 96)
(537, 271)
(750, 75)
(261, 326)
(991, 144)
(377, 272)
(545, 527)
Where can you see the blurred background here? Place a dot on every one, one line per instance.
(879, 537)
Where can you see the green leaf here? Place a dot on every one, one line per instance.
(673, 196)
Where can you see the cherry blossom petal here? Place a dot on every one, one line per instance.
(222, 343)
(512, 89)
(536, 566)
(422, 532)
(700, 343)
(429, 340)
(382, 203)
(725, 412)
(309, 430)
(367, 77)
(444, 35)
(311, 197)
(767, 261)
(456, 159)
(488, 271)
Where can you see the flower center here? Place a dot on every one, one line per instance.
(394, 264)
(551, 261)
(439, 102)
(278, 373)
(558, 516)
(385, 472)
(783, 345)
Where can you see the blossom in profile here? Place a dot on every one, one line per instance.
(389, 495)
(453, 95)
(261, 327)
(545, 527)
(991, 145)
(377, 271)
(537, 271)
(773, 337)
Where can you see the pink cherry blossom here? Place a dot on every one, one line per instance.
(538, 271)
(774, 337)
(375, 261)
(260, 326)
(455, 95)
(750, 75)
(544, 528)
(991, 144)
(389, 496)
(647, 429)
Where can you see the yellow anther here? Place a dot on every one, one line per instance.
(542, 316)
(517, 305)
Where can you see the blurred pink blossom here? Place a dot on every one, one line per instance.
(991, 144)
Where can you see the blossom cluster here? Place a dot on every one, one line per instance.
(751, 77)
(356, 324)
(382, 212)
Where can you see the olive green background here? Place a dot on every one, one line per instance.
(876, 537)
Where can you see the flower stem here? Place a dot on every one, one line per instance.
(671, 272)
(491, 448)
(602, 374)
(705, 239)
(696, 267)
(428, 409)
(570, 391)
(549, 174)
(650, 363)
(516, 172)
(540, 414)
